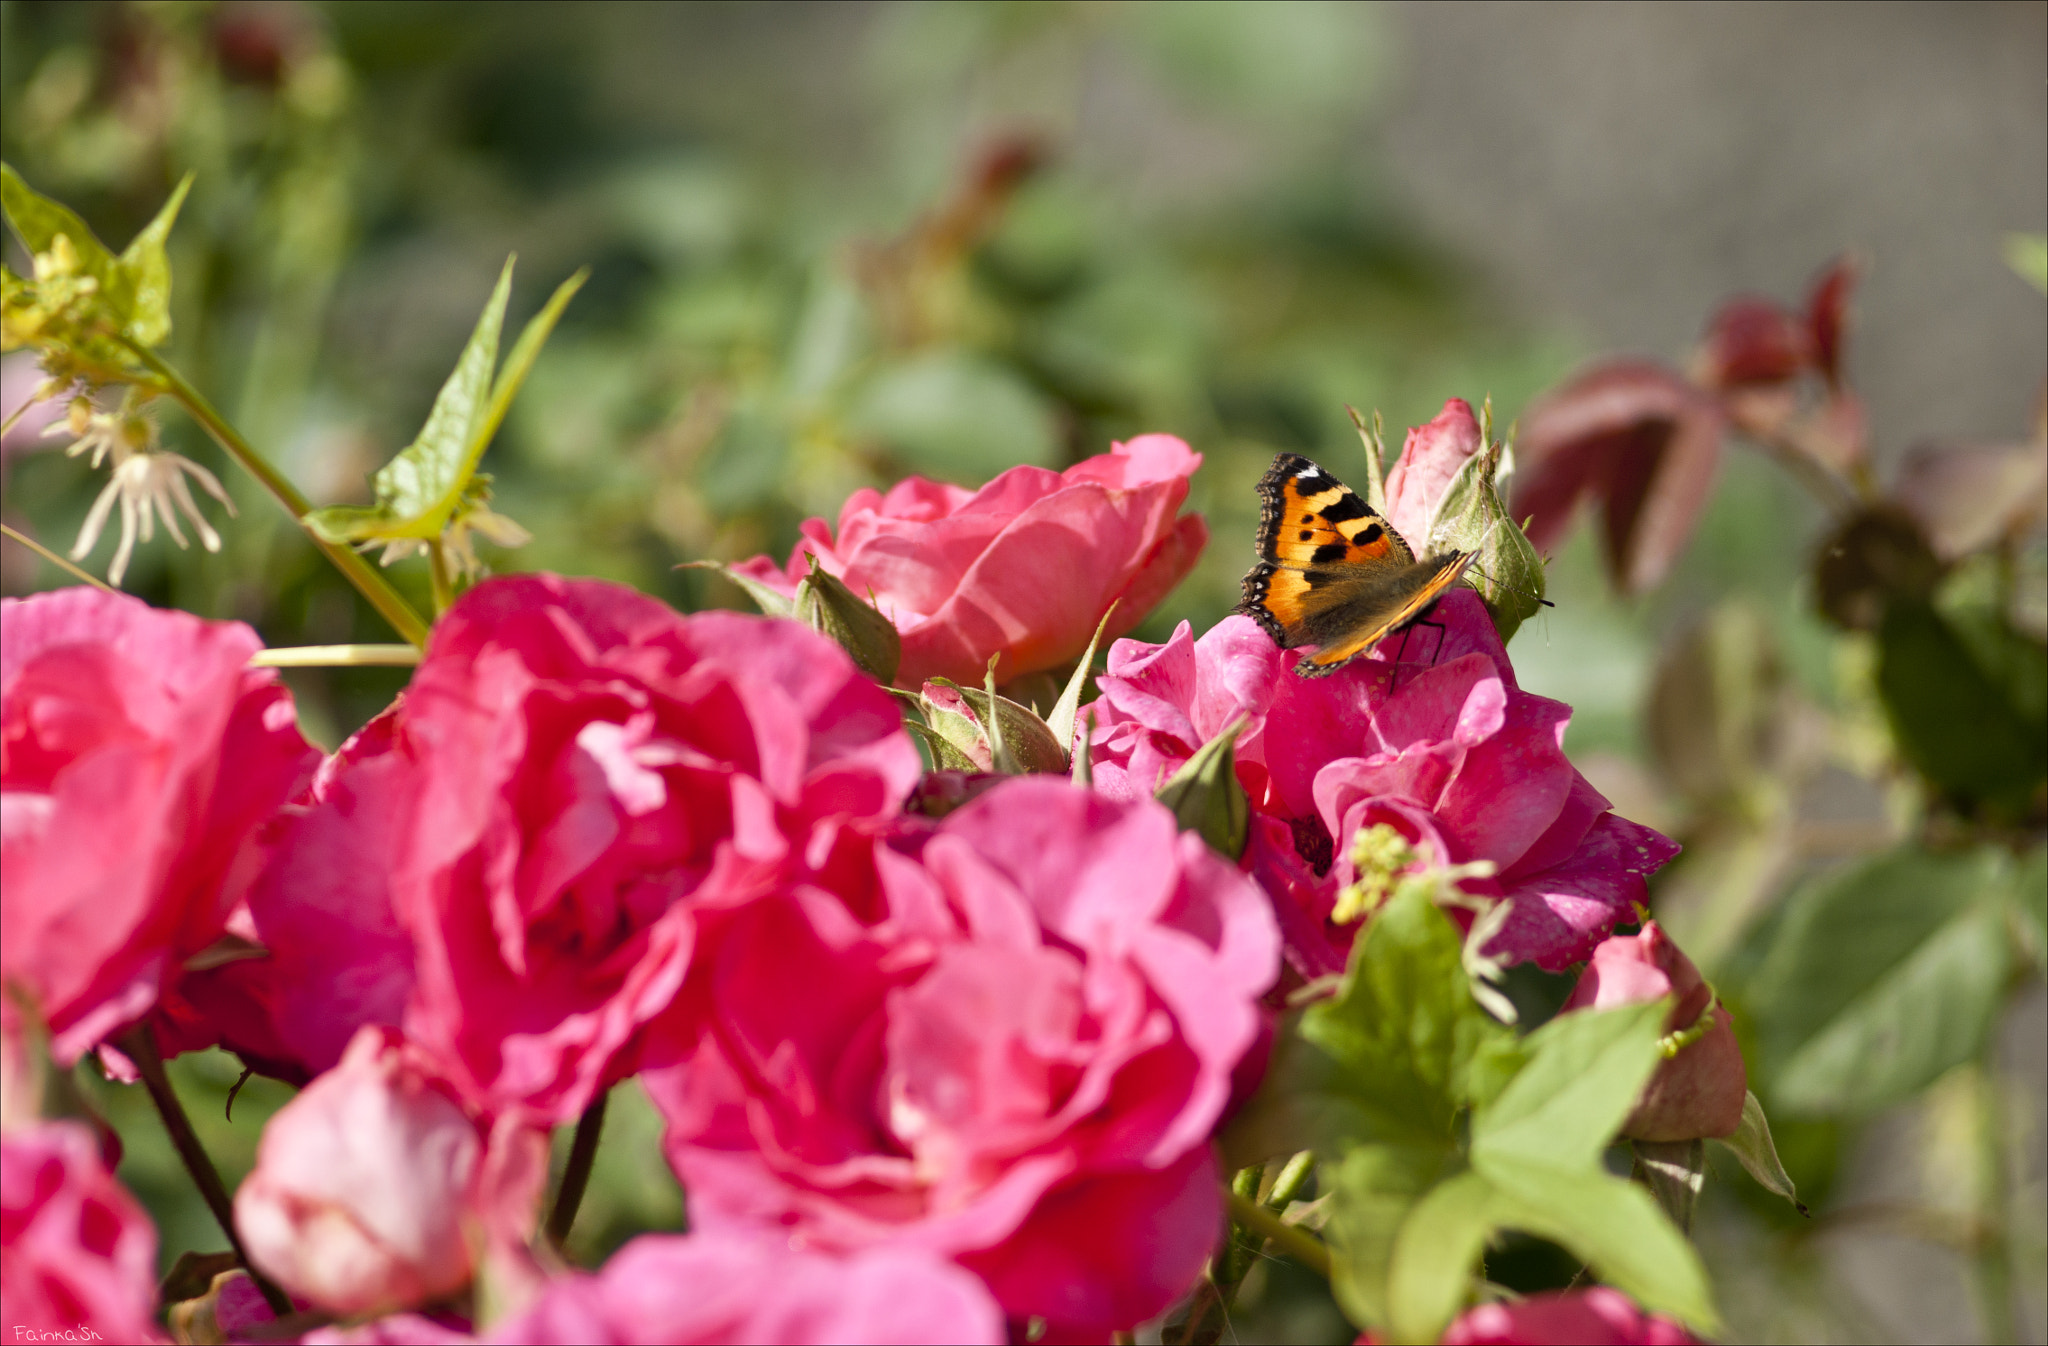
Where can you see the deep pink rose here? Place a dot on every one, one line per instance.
(77, 1253)
(338, 959)
(752, 1287)
(1433, 738)
(576, 775)
(140, 759)
(1698, 1092)
(1023, 567)
(1016, 1062)
(1430, 458)
(362, 1186)
(1596, 1317)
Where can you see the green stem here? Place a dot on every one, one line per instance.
(1296, 1242)
(576, 1174)
(437, 576)
(365, 577)
(139, 1044)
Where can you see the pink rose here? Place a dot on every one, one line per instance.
(1437, 742)
(1430, 458)
(1024, 567)
(1596, 1317)
(1015, 1061)
(77, 1254)
(1699, 1092)
(140, 758)
(576, 775)
(362, 1184)
(753, 1287)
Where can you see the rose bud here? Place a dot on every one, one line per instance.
(826, 605)
(1699, 1087)
(359, 1193)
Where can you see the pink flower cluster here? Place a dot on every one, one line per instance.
(922, 1080)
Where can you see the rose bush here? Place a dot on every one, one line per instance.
(118, 720)
(1451, 755)
(77, 1254)
(1023, 567)
(1014, 1058)
(577, 773)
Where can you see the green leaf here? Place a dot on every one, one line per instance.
(148, 270)
(772, 602)
(422, 489)
(1752, 1145)
(1372, 1190)
(1433, 1255)
(1061, 721)
(1403, 1029)
(1956, 723)
(1615, 1227)
(1880, 977)
(1584, 1072)
(1207, 798)
(38, 220)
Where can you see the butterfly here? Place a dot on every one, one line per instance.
(1332, 572)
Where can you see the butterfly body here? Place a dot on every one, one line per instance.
(1332, 572)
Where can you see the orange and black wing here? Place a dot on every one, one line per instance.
(1314, 533)
(1361, 613)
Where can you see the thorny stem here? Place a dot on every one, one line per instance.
(139, 1044)
(365, 577)
(576, 1174)
(1296, 1242)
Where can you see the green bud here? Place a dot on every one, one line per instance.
(1019, 743)
(1505, 569)
(1207, 799)
(824, 603)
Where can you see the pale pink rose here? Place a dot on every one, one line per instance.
(750, 1286)
(1430, 458)
(140, 760)
(1698, 1092)
(1011, 1051)
(362, 1185)
(77, 1254)
(576, 776)
(1596, 1317)
(1437, 741)
(1025, 567)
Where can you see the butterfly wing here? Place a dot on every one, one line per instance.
(1332, 572)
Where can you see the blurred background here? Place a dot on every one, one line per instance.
(836, 243)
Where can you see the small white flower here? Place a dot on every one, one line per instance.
(148, 481)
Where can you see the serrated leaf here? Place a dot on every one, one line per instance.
(1434, 1254)
(1615, 1227)
(1403, 1029)
(422, 488)
(1584, 1072)
(1879, 977)
(1752, 1145)
(148, 271)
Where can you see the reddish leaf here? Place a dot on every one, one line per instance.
(1827, 315)
(1754, 341)
(1639, 438)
